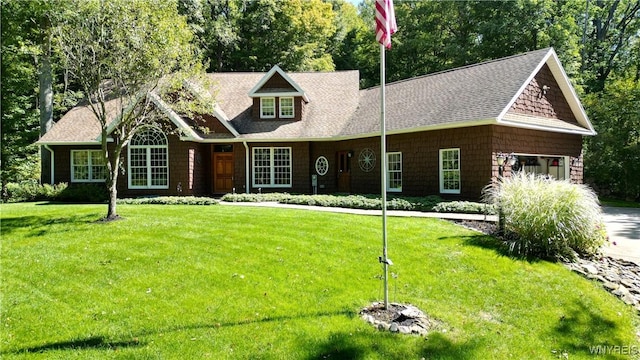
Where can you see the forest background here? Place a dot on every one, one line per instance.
(597, 41)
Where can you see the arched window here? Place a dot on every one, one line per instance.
(149, 160)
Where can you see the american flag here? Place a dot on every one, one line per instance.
(385, 22)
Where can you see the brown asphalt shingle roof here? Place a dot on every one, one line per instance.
(473, 93)
(337, 109)
(79, 125)
(333, 99)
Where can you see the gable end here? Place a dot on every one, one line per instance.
(543, 97)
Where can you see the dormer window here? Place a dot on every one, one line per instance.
(277, 96)
(268, 107)
(286, 107)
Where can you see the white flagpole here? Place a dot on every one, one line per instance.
(383, 176)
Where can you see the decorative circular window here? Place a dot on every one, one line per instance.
(322, 165)
(367, 159)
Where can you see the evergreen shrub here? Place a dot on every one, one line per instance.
(31, 190)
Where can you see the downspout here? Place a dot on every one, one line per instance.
(246, 166)
(53, 164)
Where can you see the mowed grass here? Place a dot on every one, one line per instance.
(198, 282)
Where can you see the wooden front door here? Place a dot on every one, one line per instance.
(222, 172)
(344, 171)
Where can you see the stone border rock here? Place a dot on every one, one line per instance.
(399, 318)
(619, 277)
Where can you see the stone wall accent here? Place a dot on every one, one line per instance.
(619, 277)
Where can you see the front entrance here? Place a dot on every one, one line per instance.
(222, 166)
(344, 171)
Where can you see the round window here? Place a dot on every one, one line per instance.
(322, 165)
(367, 160)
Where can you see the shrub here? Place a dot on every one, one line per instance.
(170, 200)
(254, 197)
(545, 218)
(84, 193)
(31, 190)
(371, 202)
(465, 207)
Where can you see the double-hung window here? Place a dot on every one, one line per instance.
(394, 171)
(286, 107)
(267, 107)
(88, 166)
(272, 167)
(149, 160)
(449, 171)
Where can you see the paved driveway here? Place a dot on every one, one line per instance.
(623, 227)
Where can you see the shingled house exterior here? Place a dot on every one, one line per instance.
(317, 132)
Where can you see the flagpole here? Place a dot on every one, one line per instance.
(385, 27)
(383, 176)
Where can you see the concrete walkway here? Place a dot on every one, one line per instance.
(623, 228)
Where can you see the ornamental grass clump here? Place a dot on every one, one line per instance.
(544, 218)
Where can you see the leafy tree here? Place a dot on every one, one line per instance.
(34, 87)
(221, 33)
(122, 51)
(612, 158)
(440, 35)
(613, 29)
(348, 27)
(26, 53)
(255, 35)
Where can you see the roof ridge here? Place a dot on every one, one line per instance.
(545, 50)
(287, 72)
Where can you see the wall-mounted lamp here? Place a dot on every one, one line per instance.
(504, 159)
(350, 153)
(545, 88)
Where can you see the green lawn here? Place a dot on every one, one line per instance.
(198, 282)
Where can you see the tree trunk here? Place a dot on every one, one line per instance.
(112, 159)
(112, 214)
(45, 100)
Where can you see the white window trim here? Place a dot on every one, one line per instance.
(148, 158)
(293, 107)
(389, 171)
(272, 183)
(262, 115)
(90, 179)
(441, 172)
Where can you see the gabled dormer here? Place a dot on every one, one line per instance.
(277, 97)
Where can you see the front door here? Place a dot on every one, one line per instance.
(344, 171)
(222, 172)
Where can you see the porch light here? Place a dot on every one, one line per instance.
(504, 159)
(508, 158)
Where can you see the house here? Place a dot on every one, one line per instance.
(448, 134)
